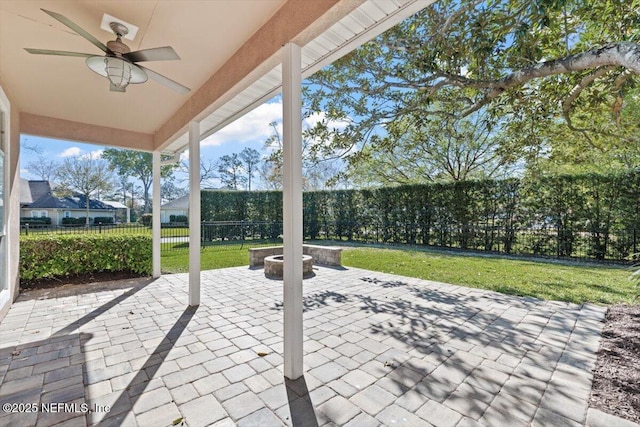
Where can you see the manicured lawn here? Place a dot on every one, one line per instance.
(211, 257)
(177, 261)
(540, 279)
(546, 280)
(173, 232)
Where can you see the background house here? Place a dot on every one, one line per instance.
(123, 212)
(38, 200)
(179, 206)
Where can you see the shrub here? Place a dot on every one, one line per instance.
(67, 255)
(180, 218)
(146, 219)
(35, 221)
(103, 220)
(172, 218)
(74, 221)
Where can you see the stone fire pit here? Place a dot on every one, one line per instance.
(273, 266)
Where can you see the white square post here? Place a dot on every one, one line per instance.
(194, 213)
(292, 209)
(155, 222)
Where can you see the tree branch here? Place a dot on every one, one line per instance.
(575, 93)
(622, 54)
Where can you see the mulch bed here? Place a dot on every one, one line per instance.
(616, 380)
(76, 280)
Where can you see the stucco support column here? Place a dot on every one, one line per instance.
(194, 213)
(292, 209)
(155, 222)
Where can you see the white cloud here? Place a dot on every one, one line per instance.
(309, 122)
(71, 152)
(253, 126)
(95, 154)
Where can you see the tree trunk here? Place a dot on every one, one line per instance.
(86, 196)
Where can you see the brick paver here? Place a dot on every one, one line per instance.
(379, 350)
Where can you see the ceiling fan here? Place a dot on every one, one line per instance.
(118, 64)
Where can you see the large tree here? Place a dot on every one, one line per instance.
(136, 165)
(525, 62)
(86, 176)
(438, 150)
(250, 161)
(321, 169)
(43, 167)
(231, 172)
(208, 172)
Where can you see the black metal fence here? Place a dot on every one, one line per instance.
(175, 236)
(542, 241)
(36, 228)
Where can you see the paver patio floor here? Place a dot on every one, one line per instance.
(379, 350)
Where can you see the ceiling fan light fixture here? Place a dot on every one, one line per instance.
(119, 72)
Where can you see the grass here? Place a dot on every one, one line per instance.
(574, 283)
(177, 261)
(540, 279)
(211, 258)
(173, 232)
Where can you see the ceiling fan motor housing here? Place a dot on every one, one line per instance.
(117, 47)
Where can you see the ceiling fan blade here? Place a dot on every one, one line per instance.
(156, 54)
(57, 52)
(171, 84)
(66, 21)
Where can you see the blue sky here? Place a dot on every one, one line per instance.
(250, 131)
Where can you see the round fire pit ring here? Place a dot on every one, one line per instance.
(274, 266)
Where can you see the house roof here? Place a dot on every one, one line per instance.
(71, 202)
(230, 50)
(25, 192)
(40, 189)
(179, 203)
(114, 204)
(39, 195)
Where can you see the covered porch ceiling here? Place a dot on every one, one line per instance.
(231, 60)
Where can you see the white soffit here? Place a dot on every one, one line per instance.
(366, 22)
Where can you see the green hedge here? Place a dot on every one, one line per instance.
(104, 220)
(57, 256)
(35, 220)
(74, 221)
(178, 218)
(594, 215)
(146, 219)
